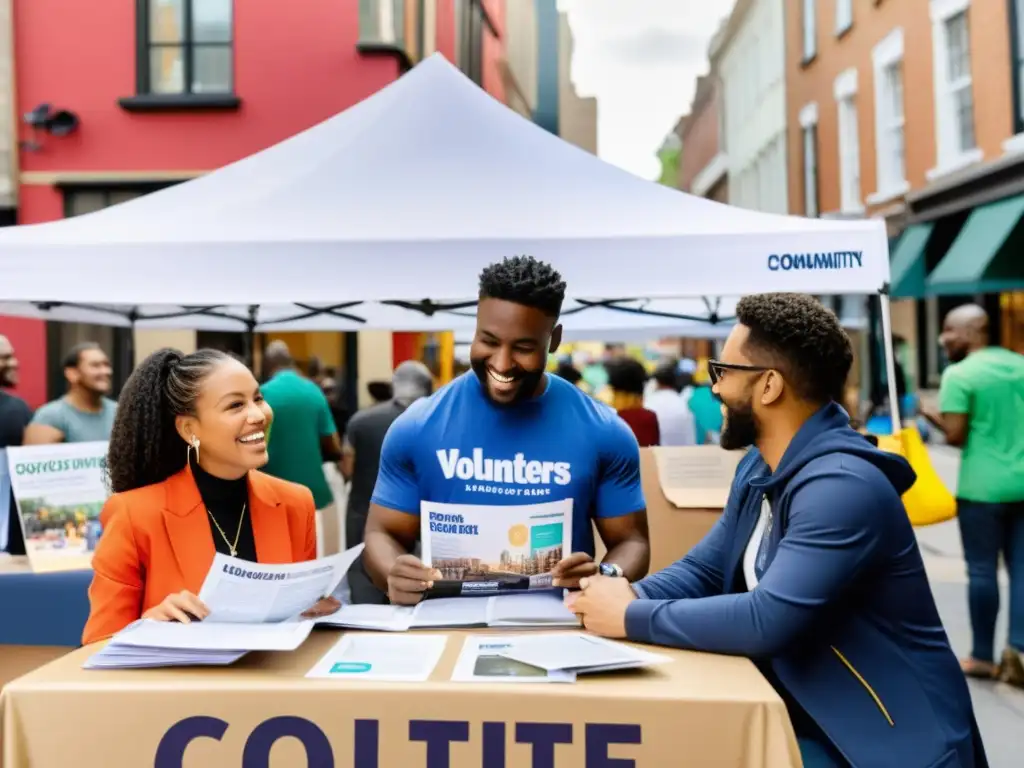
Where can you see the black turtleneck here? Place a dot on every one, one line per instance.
(224, 500)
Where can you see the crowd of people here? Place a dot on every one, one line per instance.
(813, 570)
(673, 405)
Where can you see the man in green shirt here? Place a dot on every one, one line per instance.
(301, 433)
(981, 409)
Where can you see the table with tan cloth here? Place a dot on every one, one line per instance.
(699, 709)
(41, 615)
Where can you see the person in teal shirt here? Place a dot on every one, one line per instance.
(705, 407)
(981, 409)
(302, 432)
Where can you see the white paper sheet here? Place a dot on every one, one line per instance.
(580, 653)
(483, 660)
(383, 618)
(531, 609)
(388, 658)
(238, 591)
(451, 612)
(522, 611)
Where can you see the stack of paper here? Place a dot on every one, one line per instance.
(510, 611)
(253, 607)
(578, 653)
(148, 643)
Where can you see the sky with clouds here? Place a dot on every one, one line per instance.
(641, 59)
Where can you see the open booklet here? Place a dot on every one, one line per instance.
(253, 607)
(490, 550)
(509, 611)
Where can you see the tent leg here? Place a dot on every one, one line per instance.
(890, 361)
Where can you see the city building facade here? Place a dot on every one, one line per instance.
(184, 87)
(749, 56)
(902, 111)
(577, 115)
(704, 165)
(8, 128)
(519, 69)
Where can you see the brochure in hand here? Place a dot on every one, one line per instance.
(490, 550)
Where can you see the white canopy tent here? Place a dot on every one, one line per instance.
(406, 196)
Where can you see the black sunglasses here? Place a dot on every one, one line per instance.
(716, 368)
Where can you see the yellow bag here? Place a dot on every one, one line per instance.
(928, 501)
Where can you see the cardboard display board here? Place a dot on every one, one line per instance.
(718, 711)
(696, 476)
(685, 489)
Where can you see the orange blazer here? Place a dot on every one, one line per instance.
(157, 541)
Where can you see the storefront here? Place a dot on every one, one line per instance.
(961, 244)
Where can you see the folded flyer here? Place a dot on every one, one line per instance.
(489, 550)
(487, 659)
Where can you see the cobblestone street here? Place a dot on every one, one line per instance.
(999, 708)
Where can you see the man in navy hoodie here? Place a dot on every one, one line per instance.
(813, 570)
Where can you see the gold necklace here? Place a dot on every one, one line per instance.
(238, 533)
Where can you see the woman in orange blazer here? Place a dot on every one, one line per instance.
(189, 435)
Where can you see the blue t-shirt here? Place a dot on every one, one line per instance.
(456, 447)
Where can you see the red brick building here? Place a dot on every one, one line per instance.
(703, 166)
(908, 111)
(166, 90)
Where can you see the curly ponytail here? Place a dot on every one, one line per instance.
(145, 447)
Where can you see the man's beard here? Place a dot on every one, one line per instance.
(740, 428)
(528, 380)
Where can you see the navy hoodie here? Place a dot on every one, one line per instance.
(842, 621)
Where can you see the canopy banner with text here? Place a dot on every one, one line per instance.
(60, 490)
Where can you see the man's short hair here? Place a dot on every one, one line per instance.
(627, 375)
(73, 358)
(667, 374)
(795, 334)
(524, 280)
(277, 355)
(410, 381)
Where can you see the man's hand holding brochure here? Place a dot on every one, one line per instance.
(250, 607)
(490, 550)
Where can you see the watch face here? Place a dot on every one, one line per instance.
(606, 570)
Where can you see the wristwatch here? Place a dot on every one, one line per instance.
(610, 569)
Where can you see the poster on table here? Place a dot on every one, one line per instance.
(60, 490)
(487, 550)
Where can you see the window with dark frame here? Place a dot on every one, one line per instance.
(185, 47)
(810, 153)
(1017, 52)
(471, 39)
(809, 30)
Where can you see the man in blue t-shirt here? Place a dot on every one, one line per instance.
(549, 440)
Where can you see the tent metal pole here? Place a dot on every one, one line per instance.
(890, 359)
